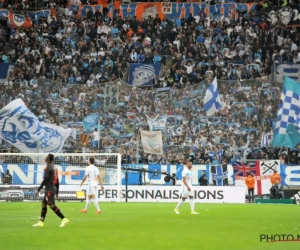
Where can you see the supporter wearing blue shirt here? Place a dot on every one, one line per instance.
(71, 79)
(141, 57)
(115, 30)
(200, 27)
(240, 60)
(178, 22)
(157, 58)
(200, 39)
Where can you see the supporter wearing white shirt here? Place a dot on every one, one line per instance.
(34, 51)
(296, 59)
(293, 46)
(126, 26)
(47, 48)
(58, 35)
(279, 40)
(207, 42)
(9, 82)
(189, 67)
(27, 49)
(133, 56)
(177, 42)
(94, 53)
(90, 82)
(101, 52)
(69, 12)
(100, 29)
(34, 82)
(106, 29)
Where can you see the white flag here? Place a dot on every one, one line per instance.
(21, 128)
(152, 142)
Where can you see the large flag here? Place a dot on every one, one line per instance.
(241, 171)
(212, 100)
(22, 129)
(142, 74)
(267, 168)
(152, 142)
(287, 132)
(219, 175)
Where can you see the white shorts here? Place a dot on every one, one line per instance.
(92, 190)
(186, 193)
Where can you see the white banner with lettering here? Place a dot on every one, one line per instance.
(208, 194)
(152, 142)
(172, 194)
(156, 124)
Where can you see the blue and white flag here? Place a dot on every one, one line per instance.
(287, 132)
(156, 124)
(219, 175)
(212, 100)
(90, 123)
(142, 74)
(22, 129)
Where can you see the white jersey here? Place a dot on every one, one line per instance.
(188, 174)
(92, 173)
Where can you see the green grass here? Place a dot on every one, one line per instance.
(148, 226)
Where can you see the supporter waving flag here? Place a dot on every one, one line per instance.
(212, 100)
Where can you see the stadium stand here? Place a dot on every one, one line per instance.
(62, 63)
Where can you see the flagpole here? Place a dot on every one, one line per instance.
(99, 132)
(137, 151)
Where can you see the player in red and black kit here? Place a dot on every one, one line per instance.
(51, 184)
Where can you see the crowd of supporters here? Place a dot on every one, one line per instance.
(63, 62)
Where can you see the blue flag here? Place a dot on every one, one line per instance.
(212, 100)
(5, 68)
(287, 132)
(142, 74)
(90, 122)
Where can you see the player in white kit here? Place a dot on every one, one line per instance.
(187, 188)
(92, 174)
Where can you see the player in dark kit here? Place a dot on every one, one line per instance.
(51, 184)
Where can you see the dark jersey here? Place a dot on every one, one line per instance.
(50, 181)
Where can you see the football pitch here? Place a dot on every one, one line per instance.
(149, 226)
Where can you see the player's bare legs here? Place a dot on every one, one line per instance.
(178, 205)
(192, 205)
(87, 205)
(89, 201)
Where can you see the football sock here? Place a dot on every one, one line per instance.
(88, 202)
(179, 203)
(57, 212)
(192, 204)
(96, 204)
(43, 213)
